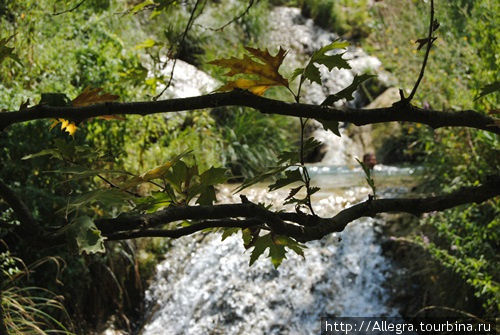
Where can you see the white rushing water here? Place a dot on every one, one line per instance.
(205, 285)
(208, 287)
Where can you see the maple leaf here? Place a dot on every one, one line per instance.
(66, 125)
(262, 65)
(91, 96)
(319, 57)
(88, 97)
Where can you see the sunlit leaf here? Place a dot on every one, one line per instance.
(262, 65)
(146, 44)
(88, 238)
(140, 6)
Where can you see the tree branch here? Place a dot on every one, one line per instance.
(176, 233)
(397, 112)
(302, 227)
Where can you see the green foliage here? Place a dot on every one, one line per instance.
(369, 178)
(467, 240)
(345, 17)
(27, 309)
(311, 72)
(462, 239)
(248, 148)
(276, 245)
(88, 238)
(347, 93)
(79, 179)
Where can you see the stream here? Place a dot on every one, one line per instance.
(205, 285)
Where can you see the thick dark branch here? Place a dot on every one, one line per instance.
(397, 112)
(414, 206)
(216, 212)
(300, 226)
(188, 230)
(29, 226)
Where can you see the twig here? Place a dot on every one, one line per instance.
(69, 10)
(117, 187)
(181, 43)
(236, 18)
(430, 41)
(188, 230)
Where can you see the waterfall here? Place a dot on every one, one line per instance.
(205, 285)
(208, 287)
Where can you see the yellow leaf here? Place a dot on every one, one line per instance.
(54, 123)
(254, 86)
(264, 66)
(66, 125)
(71, 128)
(157, 172)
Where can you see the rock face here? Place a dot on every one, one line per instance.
(302, 37)
(188, 81)
(364, 135)
(386, 99)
